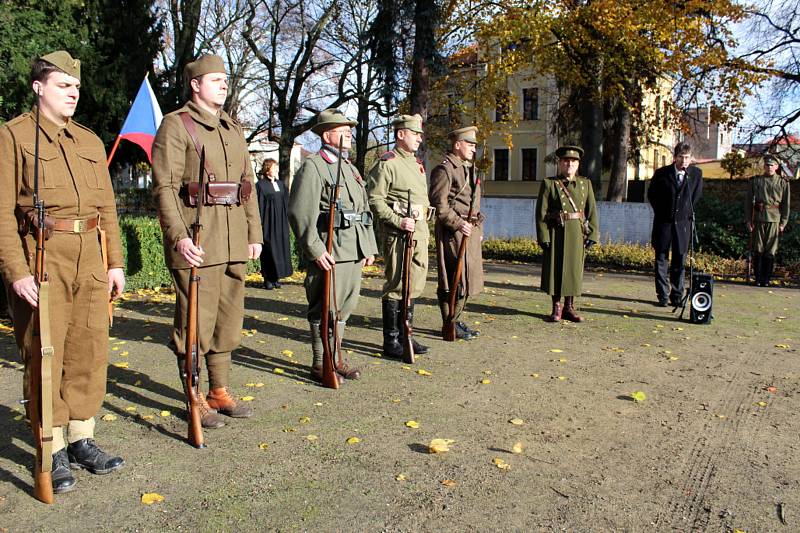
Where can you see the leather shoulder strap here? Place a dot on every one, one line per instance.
(569, 196)
(191, 129)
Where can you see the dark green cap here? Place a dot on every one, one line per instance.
(64, 62)
(464, 134)
(408, 122)
(770, 159)
(569, 152)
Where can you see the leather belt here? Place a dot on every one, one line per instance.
(761, 206)
(571, 216)
(68, 225)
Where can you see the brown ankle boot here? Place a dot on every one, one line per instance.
(569, 312)
(555, 316)
(221, 400)
(209, 418)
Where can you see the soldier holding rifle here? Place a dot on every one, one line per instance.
(232, 231)
(313, 194)
(397, 172)
(62, 164)
(767, 212)
(455, 193)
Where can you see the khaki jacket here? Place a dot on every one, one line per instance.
(73, 184)
(389, 180)
(309, 202)
(771, 191)
(227, 230)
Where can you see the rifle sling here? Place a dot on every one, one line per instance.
(46, 386)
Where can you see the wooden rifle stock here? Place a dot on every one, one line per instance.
(751, 230)
(40, 387)
(191, 370)
(408, 253)
(449, 326)
(329, 377)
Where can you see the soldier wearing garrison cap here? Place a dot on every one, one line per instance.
(566, 225)
(354, 243)
(75, 187)
(766, 214)
(454, 189)
(397, 172)
(231, 227)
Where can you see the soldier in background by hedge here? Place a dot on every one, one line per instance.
(231, 228)
(767, 213)
(566, 225)
(397, 172)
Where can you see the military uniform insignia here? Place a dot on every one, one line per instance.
(388, 156)
(327, 156)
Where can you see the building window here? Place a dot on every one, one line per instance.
(501, 106)
(530, 103)
(529, 156)
(501, 164)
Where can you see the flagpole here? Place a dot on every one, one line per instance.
(114, 149)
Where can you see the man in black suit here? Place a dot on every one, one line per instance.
(673, 194)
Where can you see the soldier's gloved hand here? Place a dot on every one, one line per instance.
(27, 289)
(325, 261)
(407, 224)
(544, 245)
(589, 243)
(191, 253)
(465, 228)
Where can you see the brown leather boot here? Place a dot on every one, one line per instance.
(316, 375)
(209, 418)
(555, 315)
(221, 400)
(344, 369)
(569, 312)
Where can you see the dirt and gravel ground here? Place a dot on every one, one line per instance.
(709, 449)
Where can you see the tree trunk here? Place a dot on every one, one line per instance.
(185, 16)
(285, 145)
(362, 135)
(619, 166)
(592, 137)
(426, 23)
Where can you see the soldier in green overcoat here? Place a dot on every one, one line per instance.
(766, 212)
(354, 241)
(397, 172)
(231, 227)
(566, 225)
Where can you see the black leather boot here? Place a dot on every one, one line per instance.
(86, 454)
(419, 349)
(391, 334)
(63, 480)
(768, 263)
(755, 260)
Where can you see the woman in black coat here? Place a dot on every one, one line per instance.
(276, 256)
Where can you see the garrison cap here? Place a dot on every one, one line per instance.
(408, 122)
(329, 119)
(204, 65)
(64, 62)
(770, 159)
(464, 134)
(569, 152)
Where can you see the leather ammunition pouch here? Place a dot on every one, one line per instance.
(345, 218)
(218, 192)
(27, 220)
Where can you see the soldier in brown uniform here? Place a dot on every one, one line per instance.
(76, 190)
(397, 172)
(354, 241)
(454, 190)
(231, 229)
(767, 212)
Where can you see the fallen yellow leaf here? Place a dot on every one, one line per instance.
(131, 409)
(440, 445)
(412, 424)
(304, 420)
(448, 482)
(108, 418)
(486, 381)
(502, 465)
(263, 446)
(147, 417)
(562, 378)
(516, 421)
(165, 414)
(247, 398)
(312, 437)
(287, 353)
(762, 404)
(423, 372)
(785, 346)
(556, 350)
(353, 440)
(638, 396)
(534, 375)
(517, 448)
(318, 404)
(149, 498)
(278, 371)
(121, 364)
(400, 477)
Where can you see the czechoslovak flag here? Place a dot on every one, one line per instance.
(142, 121)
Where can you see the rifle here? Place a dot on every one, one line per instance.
(449, 327)
(408, 254)
(40, 386)
(191, 368)
(329, 377)
(751, 230)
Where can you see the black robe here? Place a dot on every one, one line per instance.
(276, 257)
